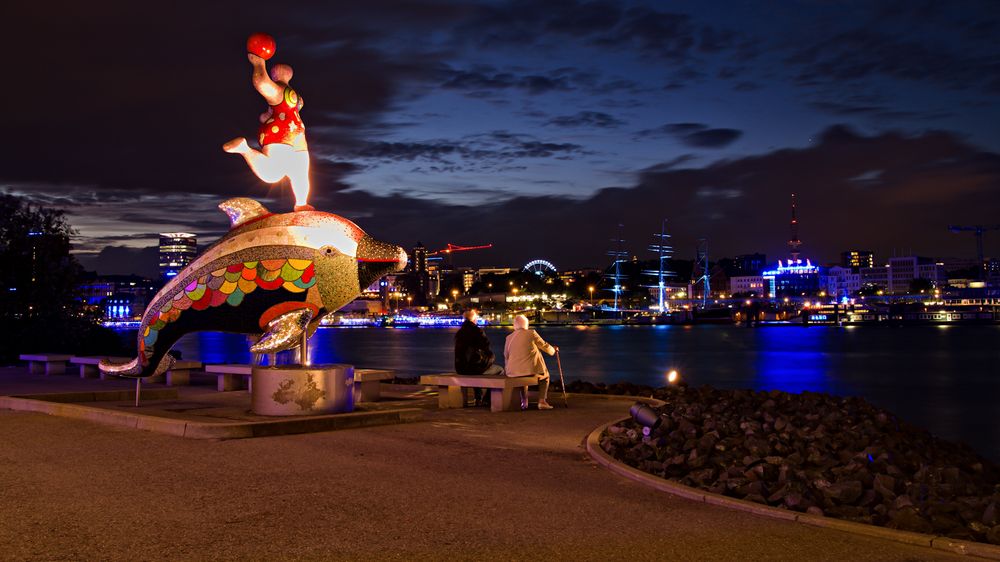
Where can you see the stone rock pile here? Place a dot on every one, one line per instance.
(818, 454)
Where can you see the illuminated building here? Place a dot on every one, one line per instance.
(117, 297)
(877, 276)
(483, 271)
(792, 279)
(418, 258)
(898, 275)
(748, 285)
(904, 270)
(856, 259)
(840, 281)
(418, 280)
(177, 250)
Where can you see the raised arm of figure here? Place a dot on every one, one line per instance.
(269, 89)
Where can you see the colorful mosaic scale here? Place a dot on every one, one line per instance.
(228, 286)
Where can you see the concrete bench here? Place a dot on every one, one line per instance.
(451, 389)
(230, 376)
(237, 377)
(178, 375)
(88, 365)
(368, 384)
(48, 363)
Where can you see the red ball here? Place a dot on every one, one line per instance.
(262, 45)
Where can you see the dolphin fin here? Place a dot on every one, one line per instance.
(242, 209)
(284, 331)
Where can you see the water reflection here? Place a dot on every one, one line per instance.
(792, 359)
(945, 380)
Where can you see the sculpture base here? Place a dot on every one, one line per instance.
(296, 390)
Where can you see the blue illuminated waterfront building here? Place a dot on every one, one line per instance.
(794, 278)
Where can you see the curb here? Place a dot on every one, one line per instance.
(955, 546)
(198, 430)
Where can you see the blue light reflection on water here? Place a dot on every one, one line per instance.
(792, 360)
(947, 380)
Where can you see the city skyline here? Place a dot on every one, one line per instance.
(535, 128)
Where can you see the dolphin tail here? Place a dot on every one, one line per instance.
(284, 331)
(134, 369)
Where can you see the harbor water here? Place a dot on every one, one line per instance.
(943, 378)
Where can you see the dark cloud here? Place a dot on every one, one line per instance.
(712, 138)
(122, 260)
(860, 54)
(675, 37)
(875, 112)
(479, 83)
(697, 135)
(486, 81)
(122, 105)
(118, 115)
(490, 151)
(595, 119)
(741, 205)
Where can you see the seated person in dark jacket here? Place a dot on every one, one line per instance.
(472, 352)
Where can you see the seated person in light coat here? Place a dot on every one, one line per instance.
(522, 353)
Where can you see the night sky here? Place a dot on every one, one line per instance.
(537, 126)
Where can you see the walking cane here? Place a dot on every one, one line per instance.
(562, 381)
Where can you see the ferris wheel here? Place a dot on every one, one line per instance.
(540, 267)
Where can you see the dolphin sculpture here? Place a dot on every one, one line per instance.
(276, 274)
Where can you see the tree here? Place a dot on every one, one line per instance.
(39, 276)
(39, 306)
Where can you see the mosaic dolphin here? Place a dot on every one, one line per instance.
(276, 274)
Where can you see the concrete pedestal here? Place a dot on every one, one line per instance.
(294, 390)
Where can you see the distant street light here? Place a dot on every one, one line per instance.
(591, 289)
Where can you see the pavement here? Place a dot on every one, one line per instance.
(461, 485)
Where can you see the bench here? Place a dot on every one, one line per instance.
(231, 376)
(368, 384)
(451, 389)
(178, 375)
(48, 363)
(88, 365)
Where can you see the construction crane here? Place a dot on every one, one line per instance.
(452, 248)
(978, 230)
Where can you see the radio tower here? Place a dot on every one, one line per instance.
(794, 242)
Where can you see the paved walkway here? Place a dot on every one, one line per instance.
(466, 485)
